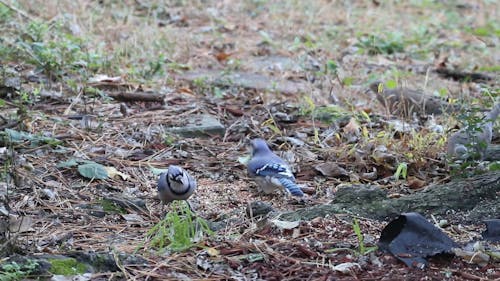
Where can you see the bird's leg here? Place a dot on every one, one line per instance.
(163, 211)
(190, 207)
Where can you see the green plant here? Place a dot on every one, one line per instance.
(423, 145)
(271, 124)
(169, 139)
(328, 114)
(402, 171)
(388, 44)
(473, 126)
(111, 207)
(180, 230)
(14, 271)
(362, 250)
(154, 67)
(5, 13)
(56, 52)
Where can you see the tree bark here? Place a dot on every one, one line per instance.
(477, 195)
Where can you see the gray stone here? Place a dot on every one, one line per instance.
(245, 80)
(258, 209)
(200, 126)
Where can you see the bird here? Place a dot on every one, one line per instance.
(404, 101)
(472, 142)
(175, 184)
(269, 171)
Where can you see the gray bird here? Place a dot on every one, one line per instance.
(269, 171)
(175, 184)
(469, 143)
(404, 101)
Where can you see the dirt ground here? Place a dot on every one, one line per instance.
(298, 77)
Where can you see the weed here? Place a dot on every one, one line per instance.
(180, 230)
(486, 30)
(155, 67)
(328, 114)
(14, 271)
(5, 13)
(56, 52)
(111, 207)
(423, 145)
(402, 171)
(389, 44)
(271, 124)
(473, 126)
(362, 250)
(169, 139)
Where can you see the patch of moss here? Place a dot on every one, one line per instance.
(66, 267)
(493, 68)
(111, 207)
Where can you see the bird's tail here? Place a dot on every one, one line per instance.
(291, 187)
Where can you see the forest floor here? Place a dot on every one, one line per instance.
(295, 73)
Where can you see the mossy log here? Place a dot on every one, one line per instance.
(470, 195)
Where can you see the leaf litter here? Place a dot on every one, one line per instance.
(264, 97)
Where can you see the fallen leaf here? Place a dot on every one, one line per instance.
(132, 218)
(222, 56)
(352, 127)
(53, 184)
(112, 172)
(186, 90)
(212, 252)
(346, 267)
(330, 169)
(101, 78)
(415, 183)
(67, 164)
(157, 171)
(93, 171)
(474, 257)
(244, 159)
(49, 193)
(285, 224)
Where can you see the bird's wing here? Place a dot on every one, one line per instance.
(277, 170)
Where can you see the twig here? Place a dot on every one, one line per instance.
(120, 265)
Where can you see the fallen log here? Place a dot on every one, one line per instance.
(470, 195)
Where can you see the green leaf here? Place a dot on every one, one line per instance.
(254, 257)
(21, 136)
(16, 136)
(494, 166)
(244, 159)
(2, 102)
(157, 171)
(67, 164)
(481, 31)
(331, 66)
(401, 171)
(348, 81)
(93, 171)
(391, 84)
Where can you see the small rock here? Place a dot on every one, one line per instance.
(200, 126)
(258, 209)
